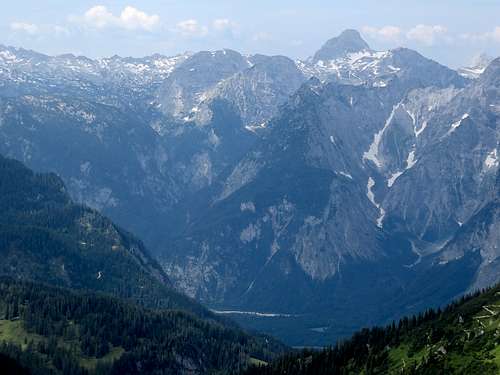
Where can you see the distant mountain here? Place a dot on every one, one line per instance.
(50, 330)
(479, 235)
(128, 152)
(348, 59)
(257, 92)
(186, 87)
(349, 41)
(461, 339)
(450, 151)
(477, 67)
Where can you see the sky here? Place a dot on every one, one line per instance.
(452, 32)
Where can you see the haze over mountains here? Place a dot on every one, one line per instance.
(117, 313)
(332, 193)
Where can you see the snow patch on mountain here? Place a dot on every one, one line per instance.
(250, 233)
(346, 175)
(492, 160)
(477, 67)
(457, 124)
(7, 55)
(410, 161)
(243, 174)
(356, 67)
(85, 168)
(393, 178)
(256, 128)
(371, 196)
(247, 206)
(373, 152)
(422, 128)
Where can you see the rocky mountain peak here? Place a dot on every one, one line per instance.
(492, 72)
(482, 59)
(349, 41)
(477, 66)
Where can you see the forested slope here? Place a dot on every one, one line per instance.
(45, 236)
(464, 338)
(50, 330)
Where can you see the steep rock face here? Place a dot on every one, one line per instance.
(311, 205)
(258, 91)
(187, 86)
(285, 199)
(452, 157)
(395, 152)
(305, 199)
(107, 157)
(481, 234)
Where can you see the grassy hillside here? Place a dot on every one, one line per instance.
(50, 330)
(464, 338)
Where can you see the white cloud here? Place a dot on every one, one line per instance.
(191, 28)
(493, 35)
(385, 33)
(136, 19)
(40, 30)
(59, 30)
(99, 17)
(130, 18)
(426, 34)
(28, 28)
(262, 37)
(296, 43)
(224, 24)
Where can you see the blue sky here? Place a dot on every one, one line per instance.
(450, 31)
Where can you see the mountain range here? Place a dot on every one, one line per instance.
(304, 198)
